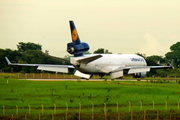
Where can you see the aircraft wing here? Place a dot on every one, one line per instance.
(45, 67)
(55, 68)
(162, 67)
(135, 69)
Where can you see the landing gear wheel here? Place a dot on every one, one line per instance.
(101, 75)
(91, 76)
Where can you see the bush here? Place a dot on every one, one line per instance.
(159, 81)
(151, 81)
(178, 81)
(105, 78)
(79, 80)
(6, 76)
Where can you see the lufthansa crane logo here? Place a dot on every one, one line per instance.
(74, 35)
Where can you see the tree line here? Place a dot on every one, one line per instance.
(25, 53)
(32, 53)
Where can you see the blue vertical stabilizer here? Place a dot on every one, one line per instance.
(74, 34)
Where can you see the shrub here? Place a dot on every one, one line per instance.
(79, 80)
(6, 76)
(178, 81)
(159, 81)
(151, 81)
(105, 78)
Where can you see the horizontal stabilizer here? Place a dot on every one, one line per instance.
(89, 59)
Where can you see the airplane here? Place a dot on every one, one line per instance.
(85, 66)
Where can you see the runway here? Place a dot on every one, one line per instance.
(90, 80)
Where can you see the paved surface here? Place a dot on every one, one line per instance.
(82, 80)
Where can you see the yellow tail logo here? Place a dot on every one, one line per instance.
(74, 35)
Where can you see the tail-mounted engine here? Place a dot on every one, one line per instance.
(139, 75)
(77, 50)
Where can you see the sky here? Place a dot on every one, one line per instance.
(121, 26)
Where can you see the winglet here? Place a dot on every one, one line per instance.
(172, 63)
(9, 63)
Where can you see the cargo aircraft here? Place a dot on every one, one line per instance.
(114, 65)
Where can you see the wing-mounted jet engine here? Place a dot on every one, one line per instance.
(139, 75)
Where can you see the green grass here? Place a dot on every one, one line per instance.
(34, 93)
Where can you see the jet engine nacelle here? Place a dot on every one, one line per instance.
(139, 75)
(77, 49)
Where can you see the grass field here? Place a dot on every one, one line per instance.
(57, 93)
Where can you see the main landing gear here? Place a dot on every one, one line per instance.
(101, 75)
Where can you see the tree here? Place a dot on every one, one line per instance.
(107, 52)
(67, 57)
(102, 51)
(14, 55)
(175, 47)
(29, 56)
(174, 55)
(175, 72)
(87, 53)
(141, 54)
(47, 52)
(155, 60)
(23, 47)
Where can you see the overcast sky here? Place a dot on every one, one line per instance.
(121, 26)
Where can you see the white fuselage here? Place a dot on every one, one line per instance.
(107, 63)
